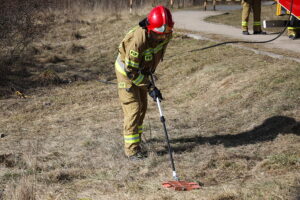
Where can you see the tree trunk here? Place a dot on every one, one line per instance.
(171, 3)
(130, 5)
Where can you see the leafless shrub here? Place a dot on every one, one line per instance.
(20, 23)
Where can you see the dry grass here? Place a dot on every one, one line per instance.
(233, 118)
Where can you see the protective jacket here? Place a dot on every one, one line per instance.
(139, 56)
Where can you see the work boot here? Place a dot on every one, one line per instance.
(245, 33)
(292, 36)
(137, 157)
(259, 33)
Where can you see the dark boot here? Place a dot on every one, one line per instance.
(245, 33)
(292, 36)
(138, 156)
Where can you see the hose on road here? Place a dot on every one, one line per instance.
(248, 42)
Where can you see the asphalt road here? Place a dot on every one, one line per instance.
(194, 21)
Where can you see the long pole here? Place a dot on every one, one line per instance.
(163, 121)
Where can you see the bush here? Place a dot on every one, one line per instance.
(21, 21)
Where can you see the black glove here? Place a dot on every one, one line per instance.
(154, 93)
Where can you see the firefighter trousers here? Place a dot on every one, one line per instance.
(293, 32)
(255, 6)
(134, 104)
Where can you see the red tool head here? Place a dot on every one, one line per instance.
(181, 185)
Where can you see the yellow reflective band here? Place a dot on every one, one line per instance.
(133, 29)
(156, 49)
(148, 57)
(160, 46)
(139, 79)
(120, 67)
(148, 51)
(256, 23)
(244, 23)
(140, 129)
(292, 28)
(130, 139)
(122, 85)
(134, 53)
(131, 63)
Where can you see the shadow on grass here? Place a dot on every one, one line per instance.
(26, 73)
(267, 131)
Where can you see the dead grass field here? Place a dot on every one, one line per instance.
(233, 118)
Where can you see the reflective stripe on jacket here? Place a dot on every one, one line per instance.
(120, 66)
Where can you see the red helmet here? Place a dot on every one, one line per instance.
(160, 20)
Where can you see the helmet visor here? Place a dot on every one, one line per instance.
(164, 29)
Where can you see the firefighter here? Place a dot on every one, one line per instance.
(293, 31)
(255, 6)
(139, 54)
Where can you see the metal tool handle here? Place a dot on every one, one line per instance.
(163, 121)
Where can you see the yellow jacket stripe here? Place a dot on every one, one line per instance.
(121, 68)
(131, 63)
(119, 65)
(133, 29)
(293, 28)
(156, 49)
(139, 79)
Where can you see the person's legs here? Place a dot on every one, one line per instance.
(246, 4)
(293, 32)
(143, 109)
(256, 16)
(131, 106)
(130, 100)
(297, 31)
